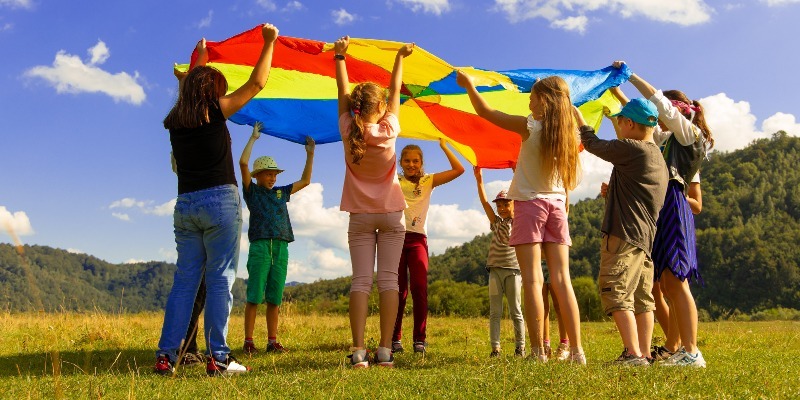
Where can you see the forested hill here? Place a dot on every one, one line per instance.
(748, 235)
(49, 279)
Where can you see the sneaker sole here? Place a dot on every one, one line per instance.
(361, 365)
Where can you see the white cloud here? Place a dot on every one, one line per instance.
(121, 216)
(321, 263)
(99, 53)
(571, 14)
(6, 27)
(594, 171)
(437, 7)
(17, 3)
(206, 21)
(69, 74)
(293, 6)
(734, 125)
(448, 226)
(310, 219)
(342, 17)
(134, 261)
(267, 5)
(169, 255)
(75, 251)
(145, 206)
(773, 3)
(16, 223)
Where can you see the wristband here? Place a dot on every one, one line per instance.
(338, 56)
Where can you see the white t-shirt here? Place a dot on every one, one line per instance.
(529, 183)
(418, 198)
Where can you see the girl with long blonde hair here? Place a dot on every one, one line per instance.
(547, 169)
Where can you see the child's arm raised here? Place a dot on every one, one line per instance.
(393, 105)
(233, 102)
(456, 169)
(683, 129)
(305, 180)
(487, 208)
(244, 160)
(513, 123)
(342, 81)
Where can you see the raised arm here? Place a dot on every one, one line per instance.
(233, 102)
(342, 81)
(244, 160)
(305, 180)
(393, 105)
(487, 208)
(456, 169)
(513, 123)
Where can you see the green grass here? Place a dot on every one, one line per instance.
(94, 355)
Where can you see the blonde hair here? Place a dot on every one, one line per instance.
(365, 99)
(559, 137)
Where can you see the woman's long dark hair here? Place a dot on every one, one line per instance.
(199, 92)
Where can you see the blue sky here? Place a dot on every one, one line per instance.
(85, 159)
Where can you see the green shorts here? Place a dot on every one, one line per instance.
(267, 262)
(626, 277)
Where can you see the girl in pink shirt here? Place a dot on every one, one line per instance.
(371, 194)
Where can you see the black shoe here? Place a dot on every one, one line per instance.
(420, 347)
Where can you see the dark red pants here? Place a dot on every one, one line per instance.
(413, 265)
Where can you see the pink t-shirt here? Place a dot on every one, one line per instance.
(371, 186)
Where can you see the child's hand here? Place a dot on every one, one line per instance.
(256, 130)
(178, 73)
(478, 173)
(202, 52)
(442, 143)
(463, 79)
(340, 46)
(578, 116)
(269, 32)
(617, 64)
(603, 189)
(310, 144)
(406, 50)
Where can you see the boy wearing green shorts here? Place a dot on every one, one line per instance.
(270, 232)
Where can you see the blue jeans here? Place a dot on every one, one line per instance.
(207, 224)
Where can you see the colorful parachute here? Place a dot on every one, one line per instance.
(300, 96)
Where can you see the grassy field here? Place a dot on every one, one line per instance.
(93, 355)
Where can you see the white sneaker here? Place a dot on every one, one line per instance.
(228, 367)
(682, 358)
(578, 358)
(562, 352)
(359, 359)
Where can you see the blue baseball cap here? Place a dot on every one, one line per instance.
(641, 111)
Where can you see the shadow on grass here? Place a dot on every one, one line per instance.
(78, 363)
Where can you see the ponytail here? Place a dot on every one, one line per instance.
(700, 121)
(365, 100)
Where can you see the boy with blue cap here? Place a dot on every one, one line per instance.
(635, 195)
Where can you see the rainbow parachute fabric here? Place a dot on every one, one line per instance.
(300, 97)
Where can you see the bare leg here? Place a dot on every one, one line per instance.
(644, 329)
(273, 311)
(684, 307)
(626, 324)
(529, 257)
(358, 316)
(557, 256)
(389, 300)
(250, 311)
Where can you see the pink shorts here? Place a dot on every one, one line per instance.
(539, 221)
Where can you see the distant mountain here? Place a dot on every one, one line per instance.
(49, 279)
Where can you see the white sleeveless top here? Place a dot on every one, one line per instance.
(529, 183)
